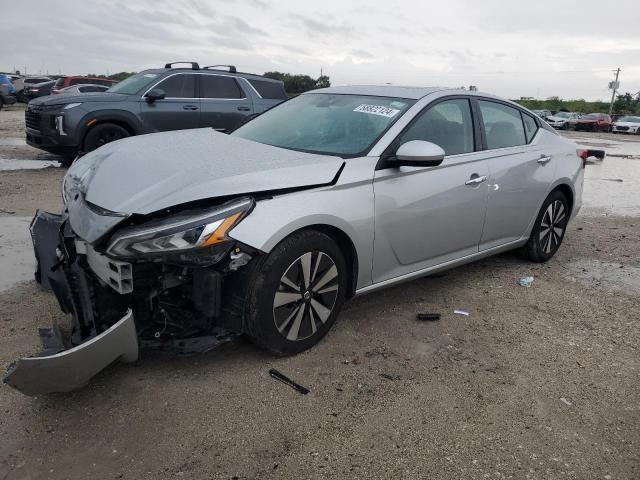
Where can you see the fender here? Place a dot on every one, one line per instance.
(101, 116)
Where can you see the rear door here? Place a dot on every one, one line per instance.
(224, 104)
(521, 171)
(179, 110)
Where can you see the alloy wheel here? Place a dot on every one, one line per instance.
(108, 136)
(552, 226)
(306, 296)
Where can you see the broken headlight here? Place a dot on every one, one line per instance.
(180, 232)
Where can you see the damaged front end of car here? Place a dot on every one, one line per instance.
(131, 283)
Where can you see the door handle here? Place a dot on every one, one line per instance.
(189, 107)
(244, 109)
(476, 179)
(544, 159)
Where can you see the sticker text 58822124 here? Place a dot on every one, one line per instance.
(377, 110)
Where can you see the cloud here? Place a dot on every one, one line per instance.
(508, 48)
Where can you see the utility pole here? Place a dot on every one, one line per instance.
(614, 86)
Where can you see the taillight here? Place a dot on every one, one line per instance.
(583, 154)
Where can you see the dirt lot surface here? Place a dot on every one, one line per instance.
(536, 383)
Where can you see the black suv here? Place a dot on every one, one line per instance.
(151, 101)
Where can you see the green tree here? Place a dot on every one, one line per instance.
(296, 84)
(626, 103)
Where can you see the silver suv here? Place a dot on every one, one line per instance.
(182, 240)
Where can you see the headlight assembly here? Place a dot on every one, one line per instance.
(180, 232)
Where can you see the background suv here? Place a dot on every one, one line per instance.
(151, 101)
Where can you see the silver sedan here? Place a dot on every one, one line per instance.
(182, 240)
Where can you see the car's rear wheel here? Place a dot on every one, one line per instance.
(102, 134)
(296, 293)
(548, 230)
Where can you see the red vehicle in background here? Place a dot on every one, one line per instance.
(65, 82)
(594, 122)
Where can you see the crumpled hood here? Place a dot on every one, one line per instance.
(148, 173)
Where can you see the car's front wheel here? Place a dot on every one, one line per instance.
(102, 134)
(549, 228)
(295, 293)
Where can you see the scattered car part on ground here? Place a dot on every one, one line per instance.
(594, 122)
(267, 231)
(154, 100)
(627, 124)
(287, 381)
(429, 317)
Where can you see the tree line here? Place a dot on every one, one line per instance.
(625, 103)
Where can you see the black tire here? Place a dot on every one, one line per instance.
(273, 327)
(102, 134)
(542, 246)
(1, 103)
(67, 160)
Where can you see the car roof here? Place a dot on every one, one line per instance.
(414, 93)
(254, 76)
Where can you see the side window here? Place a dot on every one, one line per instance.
(502, 124)
(266, 89)
(216, 86)
(530, 126)
(447, 124)
(179, 86)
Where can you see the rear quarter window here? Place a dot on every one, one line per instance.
(270, 90)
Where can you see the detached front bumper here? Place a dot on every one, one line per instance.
(72, 369)
(95, 346)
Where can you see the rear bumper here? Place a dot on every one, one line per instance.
(72, 369)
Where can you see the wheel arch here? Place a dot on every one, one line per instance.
(123, 119)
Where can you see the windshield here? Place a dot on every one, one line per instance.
(591, 116)
(134, 83)
(630, 119)
(562, 115)
(332, 124)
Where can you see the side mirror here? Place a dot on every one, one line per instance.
(418, 153)
(155, 94)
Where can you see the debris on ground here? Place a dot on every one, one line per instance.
(565, 401)
(461, 312)
(525, 281)
(428, 317)
(287, 381)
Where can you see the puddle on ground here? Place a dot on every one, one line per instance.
(607, 276)
(12, 142)
(16, 255)
(20, 164)
(612, 187)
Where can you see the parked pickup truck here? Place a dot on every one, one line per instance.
(153, 100)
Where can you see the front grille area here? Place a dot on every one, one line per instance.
(32, 117)
(622, 129)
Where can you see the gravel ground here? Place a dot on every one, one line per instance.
(539, 382)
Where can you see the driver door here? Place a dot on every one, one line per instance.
(180, 109)
(426, 216)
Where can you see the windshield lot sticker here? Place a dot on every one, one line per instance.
(377, 110)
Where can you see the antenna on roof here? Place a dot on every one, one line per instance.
(232, 68)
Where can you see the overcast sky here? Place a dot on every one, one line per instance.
(508, 47)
